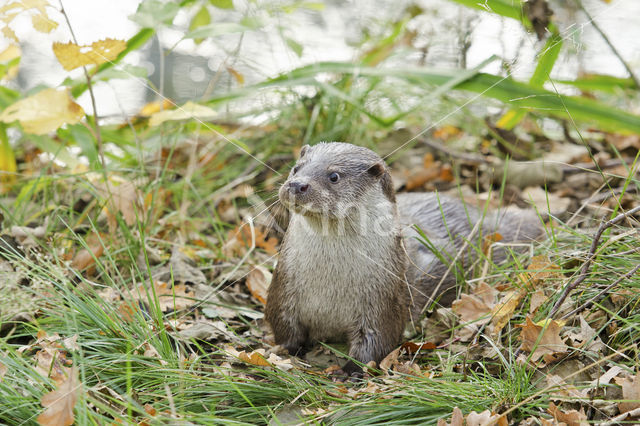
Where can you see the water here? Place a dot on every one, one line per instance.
(192, 71)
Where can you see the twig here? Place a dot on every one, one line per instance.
(618, 419)
(611, 46)
(89, 87)
(602, 293)
(592, 254)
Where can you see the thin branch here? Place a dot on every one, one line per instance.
(592, 254)
(605, 291)
(611, 46)
(89, 87)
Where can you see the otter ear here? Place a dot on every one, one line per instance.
(303, 151)
(377, 169)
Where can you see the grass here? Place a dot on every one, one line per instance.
(134, 365)
(125, 336)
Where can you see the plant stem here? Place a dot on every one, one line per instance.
(89, 87)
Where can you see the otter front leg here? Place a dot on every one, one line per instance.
(290, 334)
(372, 342)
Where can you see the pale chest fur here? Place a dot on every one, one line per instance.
(337, 278)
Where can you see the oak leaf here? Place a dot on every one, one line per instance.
(43, 112)
(59, 403)
(258, 282)
(72, 56)
(630, 393)
(570, 418)
(542, 340)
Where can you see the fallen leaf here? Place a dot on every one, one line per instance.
(503, 311)
(240, 238)
(3, 371)
(486, 418)
(537, 299)
(87, 257)
(43, 112)
(630, 393)
(258, 282)
(59, 403)
(9, 58)
(72, 56)
(587, 338)
(457, 419)
(570, 418)
(188, 111)
(413, 348)
(540, 340)
(471, 309)
(176, 297)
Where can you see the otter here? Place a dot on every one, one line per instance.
(351, 264)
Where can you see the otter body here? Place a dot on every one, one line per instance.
(350, 267)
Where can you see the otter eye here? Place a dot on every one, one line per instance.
(295, 169)
(334, 177)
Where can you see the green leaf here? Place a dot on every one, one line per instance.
(125, 71)
(294, 46)
(153, 13)
(85, 140)
(506, 8)
(216, 29)
(200, 19)
(546, 60)
(600, 82)
(222, 4)
(515, 94)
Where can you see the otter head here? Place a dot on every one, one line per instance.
(335, 180)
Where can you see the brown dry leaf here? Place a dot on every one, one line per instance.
(446, 132)
(570, 418)
(256, 357)
(122, 196)
(239, 241)
(457, 419)
(630, 393)
(43, 112)
(563, 390)
(428, 171)
(412, 347)
(471, 309)
(541, 340)
(487, 293)
(3, 371)
(72, 56)
(622, 142)
(86, 257)
(586, 338)
(258, 282)
(486, 418)
(176, 297)
(537, 299)
(59, 403)
(504, 310)
(540, 270)
(390, 360)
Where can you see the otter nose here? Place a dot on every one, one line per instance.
(298, 188)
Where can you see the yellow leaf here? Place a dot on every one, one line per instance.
(59, 403)
(72, 56)
(10, 53)
(9, 33)
(42, 23)
(187, 111)
(43, 112)
(8, 166)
